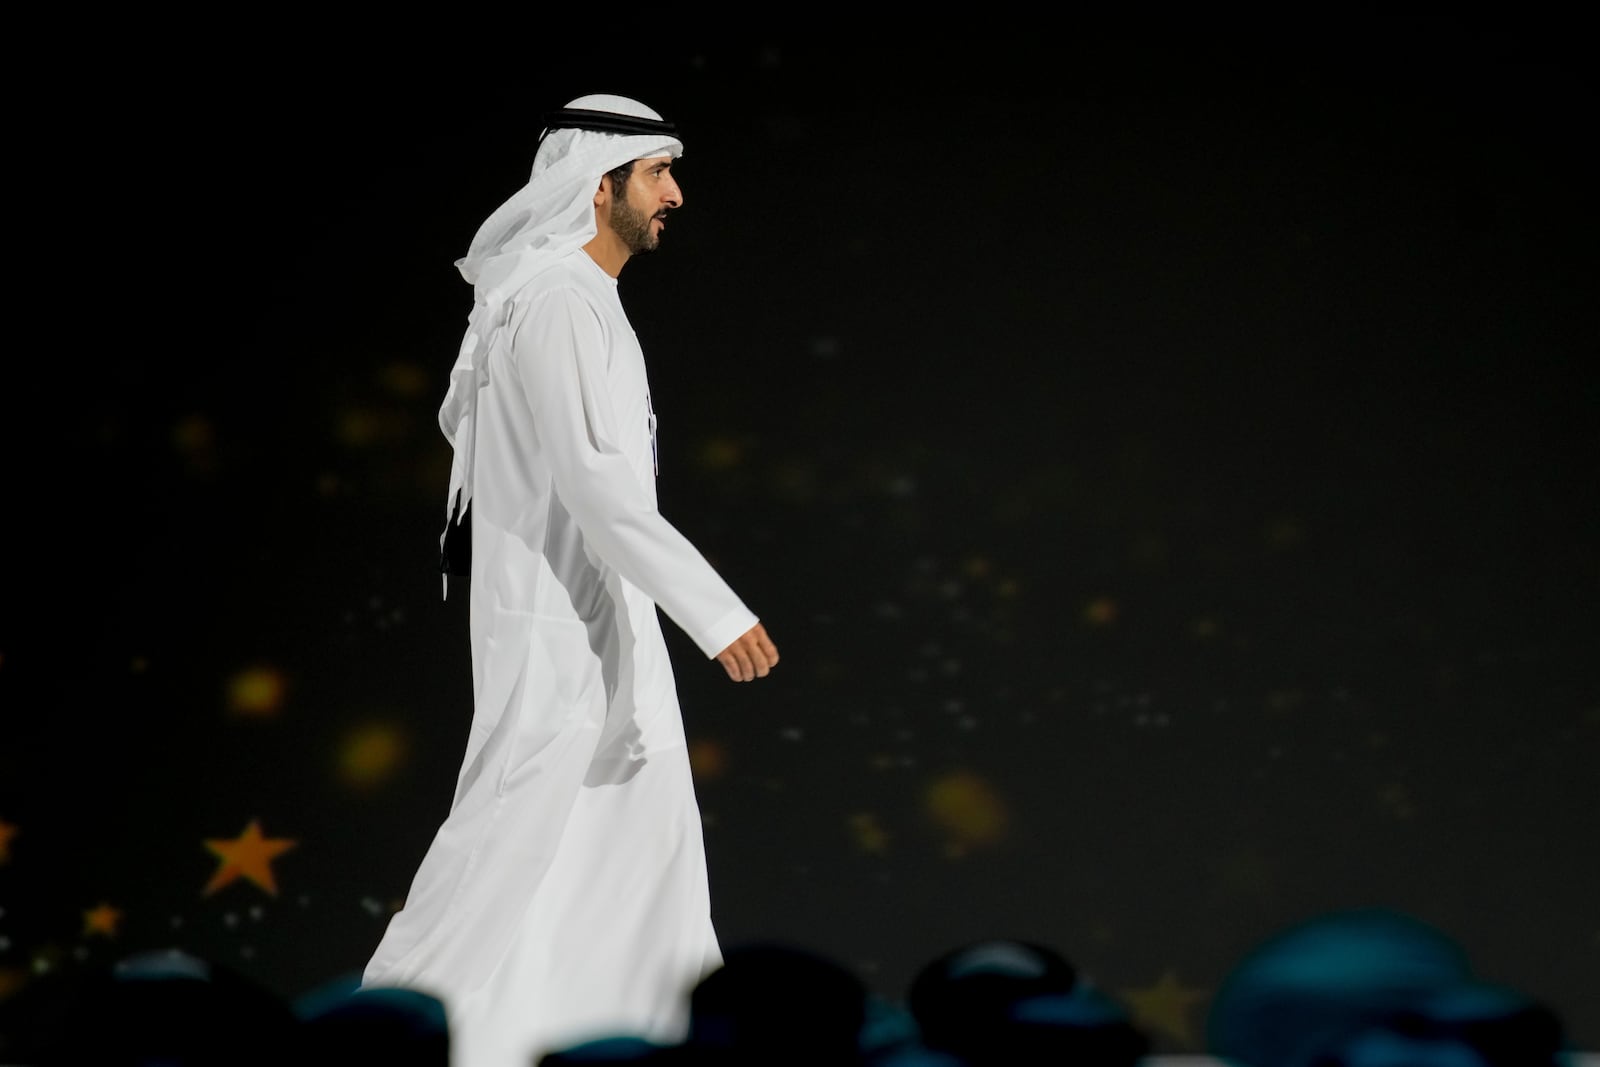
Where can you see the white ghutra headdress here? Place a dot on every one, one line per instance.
(542, 222)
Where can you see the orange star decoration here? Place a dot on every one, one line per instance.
(247, 856)
(101, 919)
(8, 832)
(1164, 1007)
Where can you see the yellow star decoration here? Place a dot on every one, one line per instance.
(101, 919)
(8, 832)
(247, 856)
(1164, 1007)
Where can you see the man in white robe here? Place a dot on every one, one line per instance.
(565, 895)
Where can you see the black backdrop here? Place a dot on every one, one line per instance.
(1164, 460)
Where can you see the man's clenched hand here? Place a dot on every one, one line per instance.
(750, 657)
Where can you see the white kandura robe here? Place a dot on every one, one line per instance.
(565, 895)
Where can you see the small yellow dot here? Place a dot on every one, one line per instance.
(370, 755)
(1101, 611)
(256, 692)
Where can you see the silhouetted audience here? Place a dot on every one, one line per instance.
(1373, 988)
(171, 1009)
(391, 1027)
(1003, 1002)
(615, 1050)
(777, 1004)
(1366, 988)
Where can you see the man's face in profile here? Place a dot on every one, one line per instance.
(639, 215)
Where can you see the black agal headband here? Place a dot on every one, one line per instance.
(577, 118)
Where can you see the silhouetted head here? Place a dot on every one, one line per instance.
(1015, 1002)
(1468, 1025)
(391, 1027)
(962, 998)
(777, 1004)
(623, 1049)
(1361, 987)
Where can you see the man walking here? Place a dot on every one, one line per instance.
(565, 895)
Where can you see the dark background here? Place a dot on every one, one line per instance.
(1165, 461)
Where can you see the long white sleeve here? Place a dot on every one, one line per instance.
(558, 352)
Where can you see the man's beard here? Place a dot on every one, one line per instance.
(633, 227)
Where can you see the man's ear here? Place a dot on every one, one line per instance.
(603, 190)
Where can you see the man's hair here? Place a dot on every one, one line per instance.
(619, 178)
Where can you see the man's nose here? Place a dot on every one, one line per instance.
(672, 195)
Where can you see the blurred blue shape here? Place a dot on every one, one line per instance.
(1371, 987)
(397, 1027)
(618, 1049)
